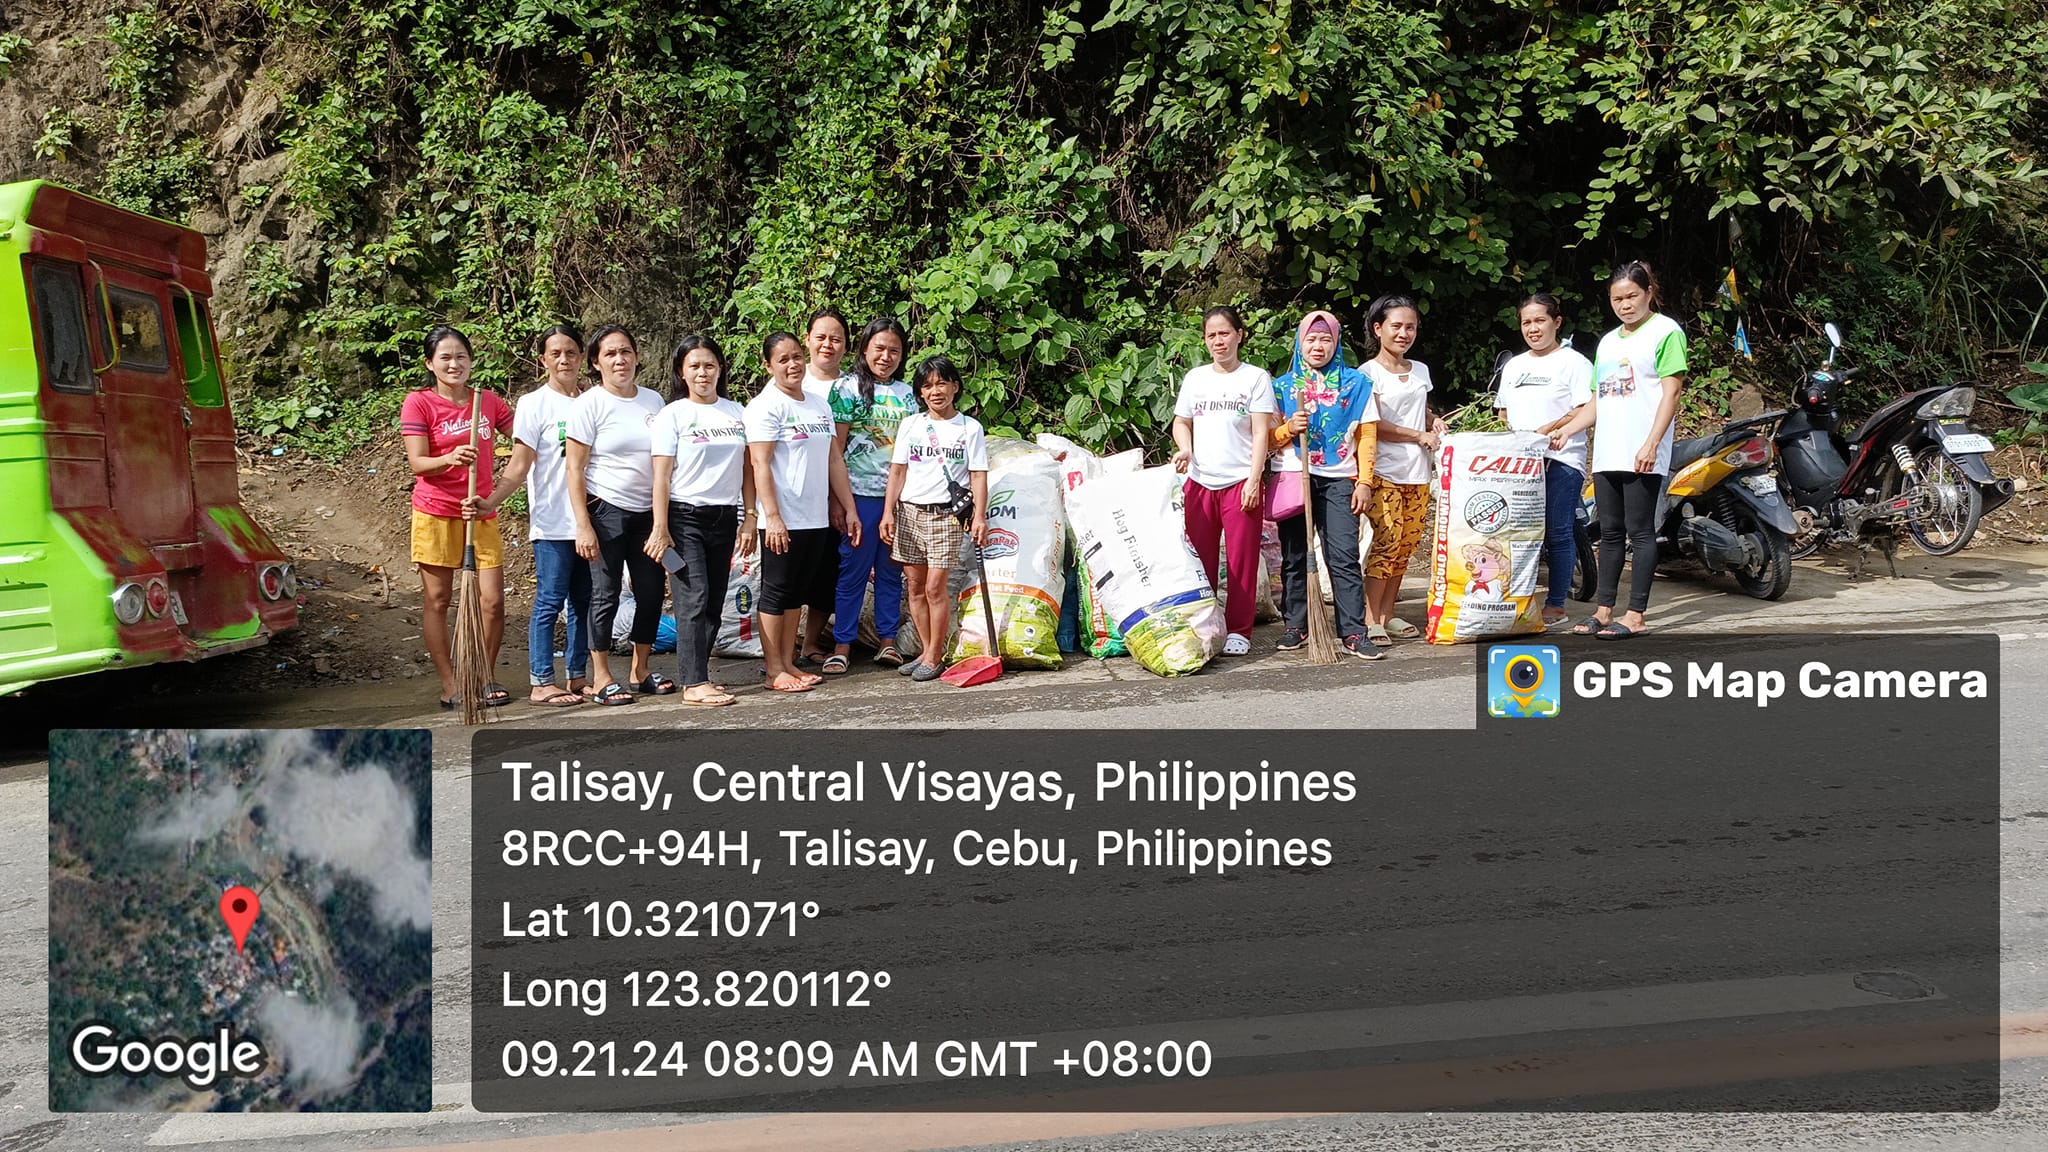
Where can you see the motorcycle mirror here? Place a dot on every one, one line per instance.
(1834, 333)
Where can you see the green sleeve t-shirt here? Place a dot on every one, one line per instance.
(871, 430)
(1625, 375)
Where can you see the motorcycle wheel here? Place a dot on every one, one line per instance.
(1962, 505)
(1586, 570)
(1771, 581)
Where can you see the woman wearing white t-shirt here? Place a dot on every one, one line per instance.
(934, 449)
(1408, 438)
(1225, 407)
(825, 339)
(540, 433)
(701, 483)
(1637, 374)
(800, 486)
(611, 494)
(1540, 391)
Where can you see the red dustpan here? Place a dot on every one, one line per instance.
(980, 669)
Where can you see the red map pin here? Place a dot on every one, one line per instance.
(238, 907)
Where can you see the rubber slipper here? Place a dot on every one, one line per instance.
(1400, 629)
(835, 665)
(656, 685)
(613, 694)
(1618, 631)
(450, 701)
(496, 695)
(1378, 637)
(889, 657)
(1590, 626)
(1551, 620)
(559, 698)
(808, 660)
(721, 700)
(789, 683)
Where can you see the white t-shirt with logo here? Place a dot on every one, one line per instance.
(1403, 401)
(801, 467)
(541, 422)
(620, 434)
(1537, 390)
(821, 387)
(1220, 406)
(931, 450)
(709, 443)
(1625, 375)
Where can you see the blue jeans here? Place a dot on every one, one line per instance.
(562, 589)
(1563, 487)
(854, 566)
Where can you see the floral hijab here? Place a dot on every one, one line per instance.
(1334, 397)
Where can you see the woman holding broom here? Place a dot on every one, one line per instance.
(1327, 421)
(450, 432)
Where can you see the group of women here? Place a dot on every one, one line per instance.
(1367, 438)
(626, 485)
(850, 477)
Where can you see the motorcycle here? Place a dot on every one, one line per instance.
(1722, 509)
(1915, 463)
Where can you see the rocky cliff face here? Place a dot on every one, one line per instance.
(211, 137)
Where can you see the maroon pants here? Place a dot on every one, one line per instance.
(1219, 513)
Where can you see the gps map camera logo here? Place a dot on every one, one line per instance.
(1523, 681)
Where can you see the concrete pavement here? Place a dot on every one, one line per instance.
(1417, 687)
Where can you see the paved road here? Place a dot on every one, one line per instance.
(1419, 687)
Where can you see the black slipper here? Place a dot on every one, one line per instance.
(1618, 631)
(1590, 626)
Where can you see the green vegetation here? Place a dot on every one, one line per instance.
(1051, 191)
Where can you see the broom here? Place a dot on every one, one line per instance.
(1322, 635)
(471, 649)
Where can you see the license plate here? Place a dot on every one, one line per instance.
(1761, 485)
(178, 610)
(1965, 443)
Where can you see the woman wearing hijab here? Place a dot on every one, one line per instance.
(1327, 415)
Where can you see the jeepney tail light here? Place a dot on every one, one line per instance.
(128, 603)
(291, 582)
(157, 597)
(271, 579)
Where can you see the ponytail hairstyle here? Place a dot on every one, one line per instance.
(439, 333)
(1545, 300)
(866, 375)
(942, 369)
(677, 390)
(1227, 312)
(596, 345)
(1639, 273)
(1369, 341)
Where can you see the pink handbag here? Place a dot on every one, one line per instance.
(1283, 495)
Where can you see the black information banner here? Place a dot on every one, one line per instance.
(1666, 889)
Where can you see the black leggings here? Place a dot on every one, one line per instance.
(622, 551)
(1628, 511)
(704, 537)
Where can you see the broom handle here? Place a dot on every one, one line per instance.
(476, 397)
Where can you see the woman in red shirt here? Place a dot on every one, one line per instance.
(435, 424)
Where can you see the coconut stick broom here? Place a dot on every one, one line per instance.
(1322, 635)
(472, 649)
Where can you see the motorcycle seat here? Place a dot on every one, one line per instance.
(1685, 452)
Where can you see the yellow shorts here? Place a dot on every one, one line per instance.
(1399, 515)
(437, 540)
